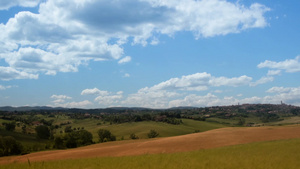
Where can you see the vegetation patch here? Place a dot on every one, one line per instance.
(262, 155)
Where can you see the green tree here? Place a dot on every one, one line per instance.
(105, 135)
(10, 126)
(9, 146)
(133, 136)
(42, 132)
(68, 129)
(241, 121)
(71, 140)
(153, 134)
(59, 143)
(84, 137)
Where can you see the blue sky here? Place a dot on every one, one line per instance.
(149, 53)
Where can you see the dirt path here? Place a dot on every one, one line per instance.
(210, 139)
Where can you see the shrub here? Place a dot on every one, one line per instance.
(153, 134)
(105, 135)
(133, 136)
(10, 126)
(9, 146)
(42, 132)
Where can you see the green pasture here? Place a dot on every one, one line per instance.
(263, 155)
(142, 128)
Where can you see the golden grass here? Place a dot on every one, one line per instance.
(262, 155)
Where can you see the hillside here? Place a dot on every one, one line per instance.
(205, 140)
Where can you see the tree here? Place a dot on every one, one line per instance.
(133, 136)
(59, 143)
(10, 126)
(153, 134)
(24, 129)
(42, 132)
(84, 137)
(105, 135)
(9, 146)
(71, 140)
(241, 121)
(68, 129)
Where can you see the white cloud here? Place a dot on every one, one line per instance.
(126, 75)
(6, 4)
(149, 98)
(262, 80)
(59, 38)
(4, 87)
(82, 104)
(289, 65)
(8, 73)
(110, 100)
(64, 97)
(163, 94)
(287, 95)
(274, 72)
(200, 82)
(94, 91)
(203, 101)
(125, 60)
(279, 90)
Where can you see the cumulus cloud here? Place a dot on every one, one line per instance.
(4, 87)
(206, 100)
(287, 95)
(9, 73)
(67, 34)
(62, 101)
(110, 100)
(262, 80)
(125, 60)
(6, 4)
(149, 98)
(279, 90)
(94, 91)
(82, 104)
(274, 72)
(200, 82)
(289, 65)
(60, 97)
(126, 75)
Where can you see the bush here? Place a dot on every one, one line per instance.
(59, 143)
(74, 139)
(105, 135)
(84, 138)
(153, 134)
(9, 146)
(133, 136)
(42, 132)
(10, 126)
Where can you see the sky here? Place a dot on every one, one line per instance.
(149, 53)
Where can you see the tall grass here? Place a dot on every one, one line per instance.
(263, 155)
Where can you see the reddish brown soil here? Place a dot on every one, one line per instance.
(210, 139)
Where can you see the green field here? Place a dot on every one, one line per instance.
(142, 128)
(263, 155)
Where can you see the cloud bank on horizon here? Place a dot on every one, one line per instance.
(61, 37)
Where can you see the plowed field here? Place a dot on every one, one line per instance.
(205, 140)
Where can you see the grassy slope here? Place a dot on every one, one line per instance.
(264, 155)
(142, 128)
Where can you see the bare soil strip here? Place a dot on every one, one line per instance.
(210, 139)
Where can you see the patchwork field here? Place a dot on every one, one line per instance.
(192, 142)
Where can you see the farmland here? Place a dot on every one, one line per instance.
(180, 131)
(220, 148)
